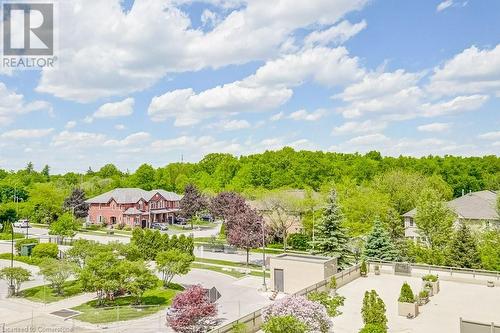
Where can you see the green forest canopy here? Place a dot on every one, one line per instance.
(285, 168)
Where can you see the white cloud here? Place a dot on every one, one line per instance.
(457, 104)
(270, 87)
(434, 127)
(138, 138)
(13, 105)
(368, 139)
(307, 116)
(70, 124)
(209, 18)
(337, 34)
(117, 109)
(277, 116)
(109, 52)
(70, 139)
(120, 127)
(230, 125)
(473, 71)
(196, 145)
(354, 127)
(490, 135)
(26, 133)
(443, 5)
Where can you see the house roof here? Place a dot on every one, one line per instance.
(132, 195)
(472, 206)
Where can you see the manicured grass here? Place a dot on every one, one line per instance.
(227, 263)
(122, 308)
(24, 259)
(218, 269)
(233, 273)
(46, 294)
(8, 235)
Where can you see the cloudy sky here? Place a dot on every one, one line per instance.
(156, 80)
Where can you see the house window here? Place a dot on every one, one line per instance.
(153, 205)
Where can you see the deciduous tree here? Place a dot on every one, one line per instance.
(192, 203)
(64, 227)
(434, 219)
(17, 275)
(171, 263)
(57, 272)
(191, 311)
(246, 230)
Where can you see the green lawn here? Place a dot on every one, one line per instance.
(25, 259)
(233, 273)
(8, 235)
(122, 309)
(228, 263)
(47, 295)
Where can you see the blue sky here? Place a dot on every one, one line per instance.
(153, 80)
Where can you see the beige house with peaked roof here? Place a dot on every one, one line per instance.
(477, 209)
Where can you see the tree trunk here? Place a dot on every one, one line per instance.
(248, 255)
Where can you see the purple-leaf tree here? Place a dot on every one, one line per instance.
(192, 203)
(227, 204)
(192, 311)
(246, 230)
(312, 314)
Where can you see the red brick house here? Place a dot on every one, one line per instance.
(133, 207)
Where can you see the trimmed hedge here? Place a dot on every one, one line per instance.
(45, 250)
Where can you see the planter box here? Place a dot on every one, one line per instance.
(434, 285)
(408, 309)
(423, 301)
(490, 284)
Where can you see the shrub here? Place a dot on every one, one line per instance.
(363, 269)
(373, 310)
(331, 303)
(333, 283)
(45, 250)
(299, 241)
(430, 278)
(288, 324)
(275, 246)
(423, 294)
(238, 328)
(373, 328)
(406, 295)
(312, 314)
(24, 241)
(127, 228)
(120, 226)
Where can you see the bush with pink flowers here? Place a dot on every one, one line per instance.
(310, 313)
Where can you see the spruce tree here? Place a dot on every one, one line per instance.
(379, 244)
(463, 250)
(331, 237)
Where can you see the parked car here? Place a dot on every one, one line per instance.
(180, 221)
(22, 224)
(207, 218)
(159, 226)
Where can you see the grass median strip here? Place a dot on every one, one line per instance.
(122, 308)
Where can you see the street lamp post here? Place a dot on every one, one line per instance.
(264, 285)
(12, 289)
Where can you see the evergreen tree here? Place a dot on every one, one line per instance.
(463, 251)
(379, 244)
(75, 203)
(46, 172)
(331, 237)
(373, 310)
